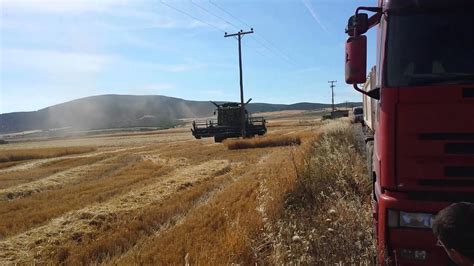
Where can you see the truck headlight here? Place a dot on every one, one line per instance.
(410, 219)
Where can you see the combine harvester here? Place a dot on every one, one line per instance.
(229, 123)
(419, 117)
(233, 119)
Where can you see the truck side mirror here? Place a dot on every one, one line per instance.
(356, 59)
(358, 23)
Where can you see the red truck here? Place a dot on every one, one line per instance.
(419, 117)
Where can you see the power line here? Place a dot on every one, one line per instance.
(236, 18)
(260, 53)
(191, 16)
(209, 12)
(276, 48)
(230, 23)
(273, 50)
(213, 26)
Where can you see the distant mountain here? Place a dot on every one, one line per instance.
(118, 111)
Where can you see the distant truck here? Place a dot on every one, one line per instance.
(357, 114)
(229, 124)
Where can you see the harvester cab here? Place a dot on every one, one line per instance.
(229, 123)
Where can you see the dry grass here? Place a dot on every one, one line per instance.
(262, 142)
(29, 154)
(328, 215)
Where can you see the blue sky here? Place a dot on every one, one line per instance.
(54, 51)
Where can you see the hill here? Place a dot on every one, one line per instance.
(118, 111)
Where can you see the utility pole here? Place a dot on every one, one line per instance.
(332, 92)
(242, 107)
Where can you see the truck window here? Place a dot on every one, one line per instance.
(435, 47)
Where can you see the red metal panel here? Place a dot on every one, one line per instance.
(385, 137)
(432, 111)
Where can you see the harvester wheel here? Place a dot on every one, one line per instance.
(218, 138)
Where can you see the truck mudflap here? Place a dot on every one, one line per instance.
(404, 233)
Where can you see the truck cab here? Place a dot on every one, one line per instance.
(419, 114)
(357, 114)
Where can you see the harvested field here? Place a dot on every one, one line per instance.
(29, 154)
(154, 198)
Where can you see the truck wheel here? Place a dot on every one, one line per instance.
(370, 155)
(370, 166)
(218, 139)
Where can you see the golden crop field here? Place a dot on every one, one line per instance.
(155, 198)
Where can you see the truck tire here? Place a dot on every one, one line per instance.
(370, 167)
(370, 154)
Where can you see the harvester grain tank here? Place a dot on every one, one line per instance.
(419, 116)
